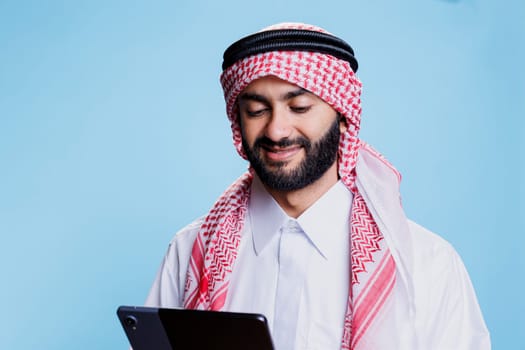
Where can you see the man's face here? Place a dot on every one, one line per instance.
(289, 135)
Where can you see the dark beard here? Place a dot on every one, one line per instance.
(319, 157)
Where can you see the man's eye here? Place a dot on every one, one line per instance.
(302, 109)
(256, 113)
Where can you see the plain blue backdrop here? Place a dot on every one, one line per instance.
(113, 136)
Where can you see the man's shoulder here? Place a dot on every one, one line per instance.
(428, 243)
(424, 234)
(434, 257)
(186, 235)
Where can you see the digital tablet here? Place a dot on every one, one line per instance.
(150, 328)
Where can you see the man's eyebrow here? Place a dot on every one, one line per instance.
(246, 96)
(291, 94)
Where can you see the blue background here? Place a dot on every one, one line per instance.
(113, 136)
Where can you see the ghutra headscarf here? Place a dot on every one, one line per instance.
(325, 65)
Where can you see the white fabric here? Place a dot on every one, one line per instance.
(433, 305)
(285, 269)
(320, 261)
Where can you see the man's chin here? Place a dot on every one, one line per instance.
(280, 170)
(278, 178)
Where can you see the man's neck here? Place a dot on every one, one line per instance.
(294, 203)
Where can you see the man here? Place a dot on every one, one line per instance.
(313, 235)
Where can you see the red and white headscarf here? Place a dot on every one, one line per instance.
(215, 248)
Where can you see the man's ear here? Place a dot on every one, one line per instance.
(342, 123)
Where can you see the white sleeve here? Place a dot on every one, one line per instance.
(448, 316)
(462, 325)
(454, 319)
(168, 287)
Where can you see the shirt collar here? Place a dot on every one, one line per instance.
(322, 223)
(266, 216)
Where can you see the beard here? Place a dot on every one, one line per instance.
(319, 157)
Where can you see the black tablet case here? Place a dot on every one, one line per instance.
(149, 328)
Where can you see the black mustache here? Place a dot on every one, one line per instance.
(266, 142)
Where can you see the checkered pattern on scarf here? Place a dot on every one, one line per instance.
(215, 248)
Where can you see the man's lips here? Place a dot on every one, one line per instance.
(280, 154)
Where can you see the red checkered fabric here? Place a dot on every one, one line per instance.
(215, 249)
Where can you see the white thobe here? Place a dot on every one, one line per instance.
(293, 271)
(296, 273)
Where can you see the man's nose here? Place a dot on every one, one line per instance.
(279, 125)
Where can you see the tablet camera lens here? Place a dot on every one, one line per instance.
(130, 321)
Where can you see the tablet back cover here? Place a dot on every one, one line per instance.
(174, 329)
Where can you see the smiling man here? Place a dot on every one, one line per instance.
(291, 137)
(313, 236)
